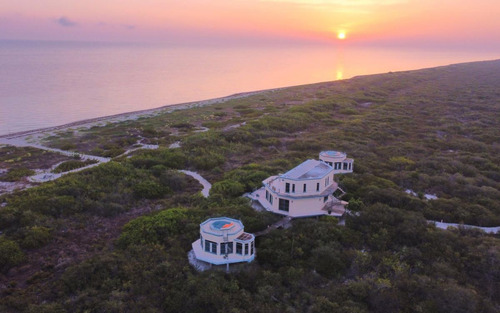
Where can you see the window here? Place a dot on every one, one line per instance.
(345, 166)
(325, 199)
(329, 163)
(251, 248)
(246, 248)
(239, 248)
(317, 186)
(226, 248)
(327, 181)
(269, 197)
(293, 187)
(305, 187)
(287, 187)
(210, 246)
(284, 205)
(350, 166)
(338, 165)
(201, 241)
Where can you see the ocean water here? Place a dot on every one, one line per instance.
(45, 84)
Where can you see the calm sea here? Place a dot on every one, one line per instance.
(46, 84)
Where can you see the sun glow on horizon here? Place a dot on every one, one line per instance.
(341, 35)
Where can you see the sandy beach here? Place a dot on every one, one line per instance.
(88, 123)
(34, 138)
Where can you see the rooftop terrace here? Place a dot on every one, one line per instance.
(310, 169)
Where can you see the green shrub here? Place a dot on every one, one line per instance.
(328, 260)
(35, 237)
(10, 254)
(173, 180)
(67, 146)
(46, 308)
(153, 229)
(205, 160)
(17, 174)
(183, 125)
(251, 178)
(73, 164)
(149, 190)
(227, 188)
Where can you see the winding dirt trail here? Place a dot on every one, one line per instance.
(206, 185)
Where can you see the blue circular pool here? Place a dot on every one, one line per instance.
(222, 225)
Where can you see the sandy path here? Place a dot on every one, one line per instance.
(45, 176)
(206, 185)
(489, 230)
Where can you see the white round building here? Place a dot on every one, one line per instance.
(338, 160)
(223, 241)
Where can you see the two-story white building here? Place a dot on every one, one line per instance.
(223, 241)
(306, 190)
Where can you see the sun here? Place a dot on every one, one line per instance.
(341, 35)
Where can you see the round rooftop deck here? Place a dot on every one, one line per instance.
(333, 154)
(220, 225)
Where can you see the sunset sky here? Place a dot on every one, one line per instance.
(421, 23)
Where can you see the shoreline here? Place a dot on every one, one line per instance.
(132, 115)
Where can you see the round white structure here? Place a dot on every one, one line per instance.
(223, 241)
(338, 160)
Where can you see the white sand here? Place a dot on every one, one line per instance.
(441, 225)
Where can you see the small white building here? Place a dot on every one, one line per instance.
(338, 160)
(306, 190)
(223, 241)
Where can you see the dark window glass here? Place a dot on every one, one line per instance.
(305, 187)
(239, 248)
(287, 187)
(226, 247)
(284, 205)
(210, 246)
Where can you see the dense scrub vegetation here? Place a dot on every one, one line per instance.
(72, 165)
(432, 131)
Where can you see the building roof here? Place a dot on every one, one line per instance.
(245, 237)
(221, 225)
(333, 154)
(310, 169)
